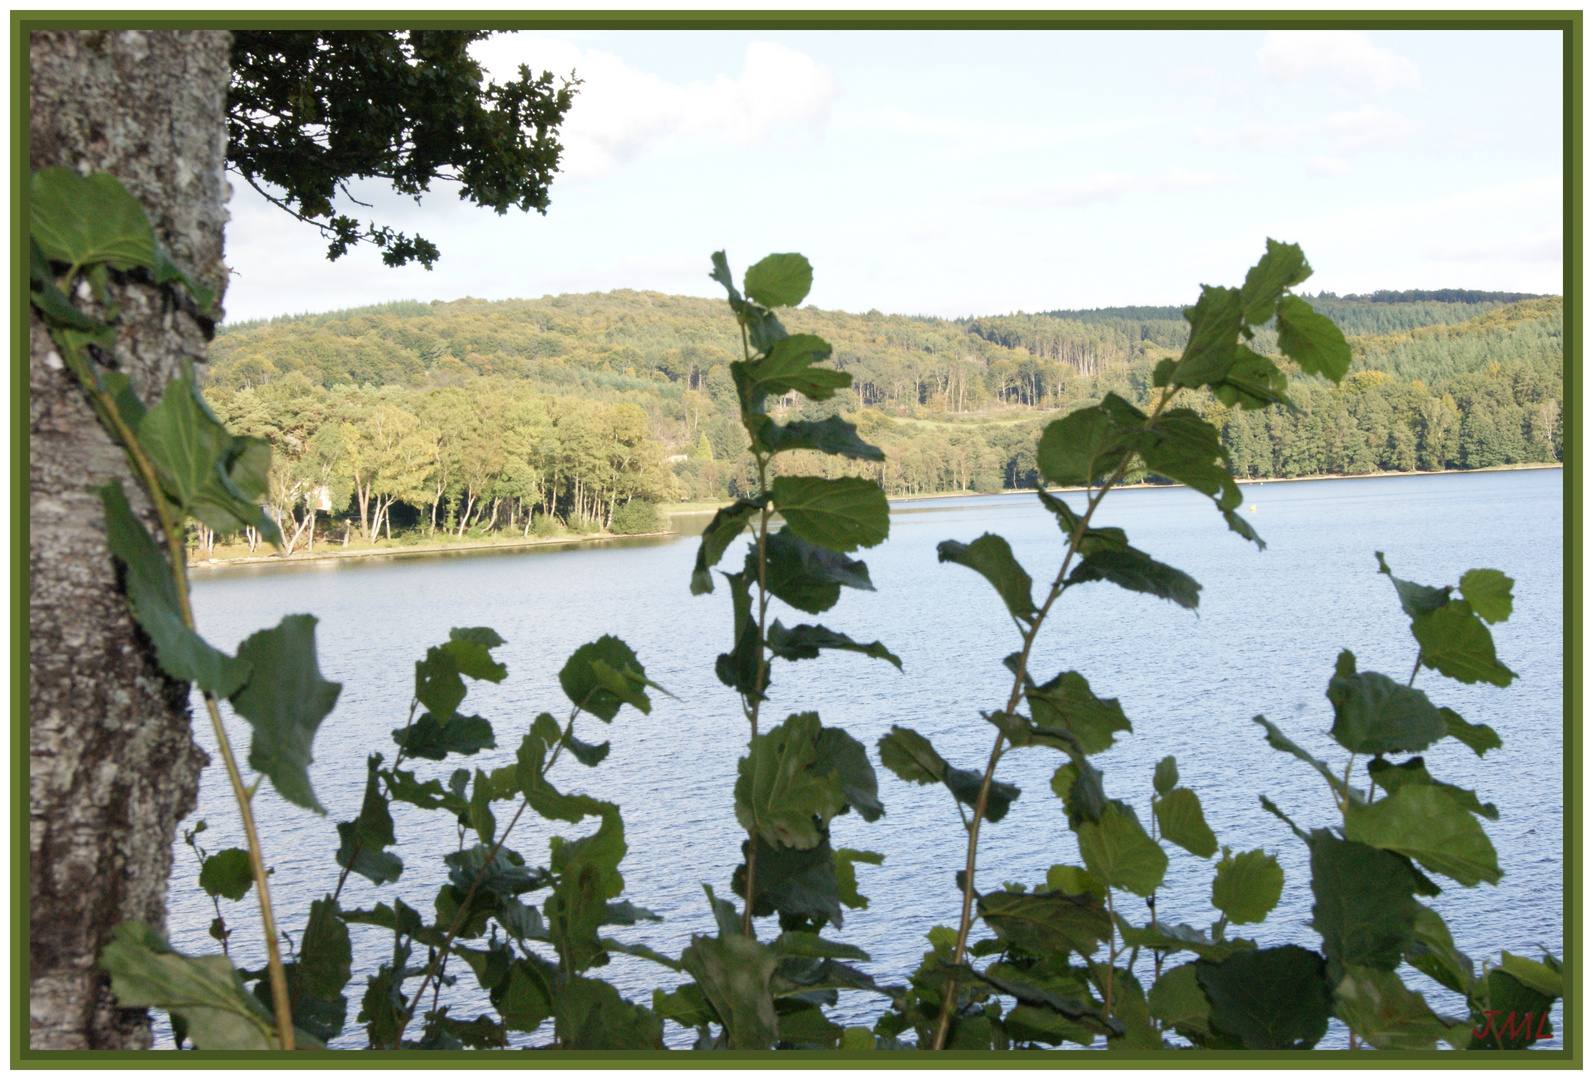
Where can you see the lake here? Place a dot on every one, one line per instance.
(1269, 627)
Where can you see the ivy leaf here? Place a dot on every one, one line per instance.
(427, 738)
(1373, 714)
(152, 592)
(1480, 737)
(991, 557)
(1424, 823)
(1414, 771)
(205, 991)
(1117, 850)
(589, 1014)
(1271, 999)
(1455, 643)
(779, 280)
(1312, 340)
(79, 220)
(1047, 924)
(227, 873)
(807, 576)
(1282, 267)
(285, 701)
(1416, 600)
(779, 793)
(604, 674)
(1067, 703)
(843, 514)
(728, 523)
(1389, 1016)
(1365, 906)
(1136, 571)
(803, 642)
(1179, 815)
(831, 435)
(1247, 886)
(1488, 593)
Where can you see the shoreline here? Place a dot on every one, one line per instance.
(211, 565)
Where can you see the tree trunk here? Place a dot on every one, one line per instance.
(112, 763)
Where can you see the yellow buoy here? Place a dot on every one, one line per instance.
(1252, 508)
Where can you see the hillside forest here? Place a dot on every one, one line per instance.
(417, 421)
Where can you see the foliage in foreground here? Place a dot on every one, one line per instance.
(1065, 965)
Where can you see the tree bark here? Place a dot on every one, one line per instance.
(112, 761)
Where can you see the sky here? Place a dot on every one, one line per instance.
(976, 173)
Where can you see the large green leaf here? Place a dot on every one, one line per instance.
(1181, 821)
(197, 459)
(325, 956)
(285, 701)
(525, 998)
(589, 1014)
(1312, 340)
(1480, 737)
(743, 669)
(227, 873)
(1413, 598)
(1514, 1017)
(991, 557)
(834, 749)
(1132, 569)
(1379, 1008)
(603, 675)
(1282, 267)
(152, 592)
(1247, 886)
(1159, 935)
(803, 642)
(1365, 906)
(379, 866)
(1424, 823)
(845, 860)
(832, 435)
(1393, 777)
(1455, 642)
(1488, 593)
(910, 756)
(789, 365)
(1214, 325)
(1179, 1003)
(843, 514)
(728, 523)
(1271, 999)
(1067, 703)
(804, 575)
(1047, 924)
(587, 877)
(803, 1026)
(1118, 851)
(793, 882)
(1534, 975)
(1083, 447)
(204, 991)
(779, 792)
(1433, 953)
(1373, 714)
(734, 973)
(779, 280)
(79, 220)
(427, 738)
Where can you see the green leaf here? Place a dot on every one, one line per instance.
(685, 1005)
(804, 575)
(1074, 880)
(964, 785)
(1083, 447)
(1365, 906)
(803, 642)
(1179, 1003)
(587, 754)
(721, 274)
(1414, 771)
(843, 514)
(728, 523)
(169, 273)
(1136, 571)
(152, 592)
(325, 956)
(1078, 785)
(1252, 382)
(910, 756)
(1179, 815)
(1214, 325)
(379, 866)
(1117, 850)
(1480, 737)
(1312, 340)
(991, 557)
(1433, 953)
(742, 669)
(525, 998)
(1282, 267)
(195, 457)
(1455, 643)
(1373, 714)
(779, 793)
(1247, 886)
(437, 683)
(857, 1038)
(1424, 823)
(832, 435)
(834, 749)
(79, 220)
(227, 873)
(285, 701)
(472, 658)
(504, 877)
(1488, 593)
(1166, 777)
(481, 818)
(1379, 1008)
(789, 365)
(587, 874)
(779, 280)
(1159, 935)
(1515, 1015)
(1534, 975)
(734, 973)
(1279, 741)
(589, 1014)
(1047, 924)
(805, 943)
(1271, 999)
(793, 882)
(429, 739)
(604, 674)
(1413, 598)
(845, 860)
(205, 991)
(1067, 703)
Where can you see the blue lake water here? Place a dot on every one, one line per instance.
(1269, 627)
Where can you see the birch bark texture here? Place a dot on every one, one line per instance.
(112, 761)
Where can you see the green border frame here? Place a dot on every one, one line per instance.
(1568, 22)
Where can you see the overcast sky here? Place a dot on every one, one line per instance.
(968, 173)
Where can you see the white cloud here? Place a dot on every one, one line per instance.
(1541, 247)
(1347, 56)
(1103, 187)
(620, 112)
(1328, 166)
(1372, 127)
(1176, 179)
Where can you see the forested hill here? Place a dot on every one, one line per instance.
(1450, 379)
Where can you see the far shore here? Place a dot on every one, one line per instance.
(333, 551)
